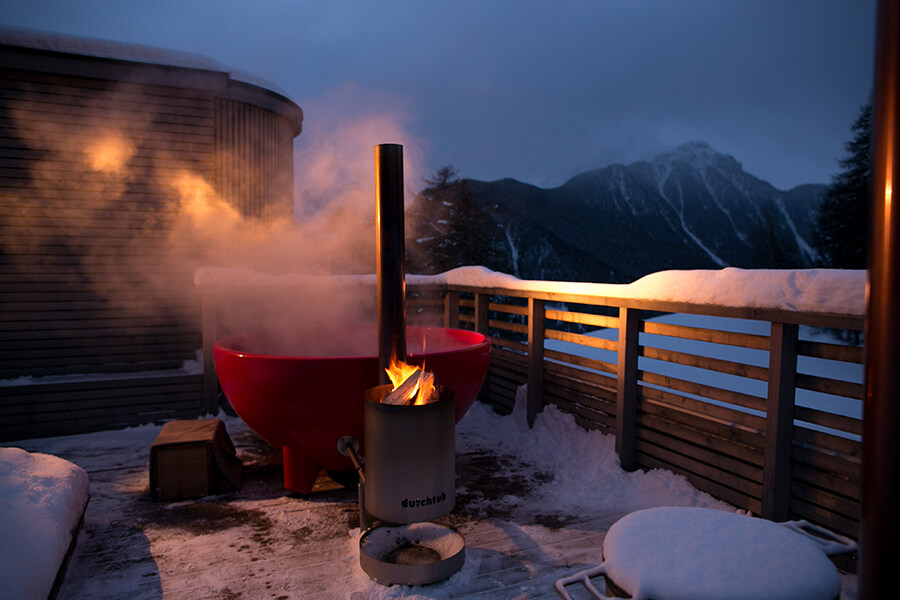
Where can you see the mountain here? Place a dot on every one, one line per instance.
(692, 208)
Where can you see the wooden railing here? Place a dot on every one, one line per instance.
(789, 448)
(757, 415)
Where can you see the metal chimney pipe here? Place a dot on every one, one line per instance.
(390, 270)
(880, 523)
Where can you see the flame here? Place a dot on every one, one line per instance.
(109, 153)
(423, 391)
(399, 372)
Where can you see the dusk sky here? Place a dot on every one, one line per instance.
(538, 91)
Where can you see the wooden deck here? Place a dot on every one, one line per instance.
(264, 542)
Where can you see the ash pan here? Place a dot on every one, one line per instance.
(414, 554)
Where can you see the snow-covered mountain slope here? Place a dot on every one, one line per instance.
(686, 209)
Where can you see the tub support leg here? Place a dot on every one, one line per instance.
(300, 472)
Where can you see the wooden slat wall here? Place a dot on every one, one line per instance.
(504, 324)
(582, 386)
(507, 372)
(826, 468)
(254, 172)
(713, 436)
(719, 448)
(82, 243)
(80, 240)
(67, 408)
(424, 306)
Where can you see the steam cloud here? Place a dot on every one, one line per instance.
(146, 245)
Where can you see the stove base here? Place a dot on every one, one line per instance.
(414, 554)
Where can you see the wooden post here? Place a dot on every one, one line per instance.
(482, 322)
(482, 325)
(779, 422)
(879, 526)
(451, 309)
(535, 398)
(208, 336)
(627, 387)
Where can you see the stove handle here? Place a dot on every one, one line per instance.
(584, 578)
(830, 542)
(349, 446)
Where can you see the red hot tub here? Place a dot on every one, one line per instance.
(304, 393)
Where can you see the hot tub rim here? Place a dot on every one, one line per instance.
(222, 346)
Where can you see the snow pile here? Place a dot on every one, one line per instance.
(583, 463)
(698, 554)
(42, 498)
(813, 290)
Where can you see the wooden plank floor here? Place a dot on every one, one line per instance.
(264, 542)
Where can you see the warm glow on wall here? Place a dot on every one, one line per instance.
(109, 153)
(199, 201)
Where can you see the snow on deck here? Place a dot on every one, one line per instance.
(42, 498)
(533, 504)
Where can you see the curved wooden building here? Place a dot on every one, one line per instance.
(99, 324)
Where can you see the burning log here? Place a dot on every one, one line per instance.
(412, 385)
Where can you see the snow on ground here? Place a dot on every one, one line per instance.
(569, 471)
(583, 475)
(584, 464)
(42, 498)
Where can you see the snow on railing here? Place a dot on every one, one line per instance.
(811, 290)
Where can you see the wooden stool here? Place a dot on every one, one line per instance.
(191, 459)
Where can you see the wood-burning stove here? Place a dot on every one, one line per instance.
(408, 479)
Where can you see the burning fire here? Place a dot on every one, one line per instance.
(400, 372)
(412, 385)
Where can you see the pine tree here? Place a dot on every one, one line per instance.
(436, 227)
(450, 227)
(842, 223)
